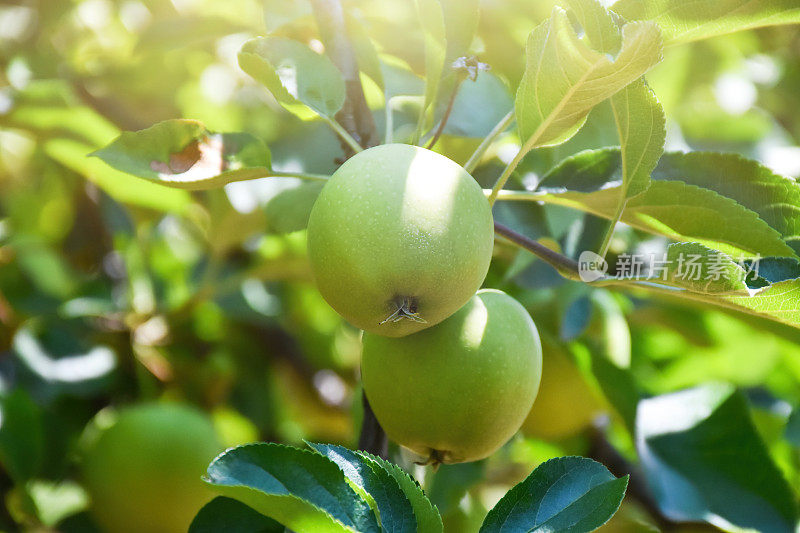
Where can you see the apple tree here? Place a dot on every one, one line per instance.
(425, 266)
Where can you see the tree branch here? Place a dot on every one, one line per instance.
(372, 439)
(564, 265)
(355, 116)
(446, 116)
(109, 108)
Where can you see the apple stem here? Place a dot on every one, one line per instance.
(434, 460)
(446, 116)
(501, 126)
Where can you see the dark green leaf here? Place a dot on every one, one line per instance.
(705, 461)
(395, 511)
(590, 181)
(232, 516)
(566, 494)
(301, 489)
(618, 386)
(775, 269)
(775, 198)
(60, 360)
(792, 432)
(428, 518)
(21, 436)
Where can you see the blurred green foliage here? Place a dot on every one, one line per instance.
(115, 291)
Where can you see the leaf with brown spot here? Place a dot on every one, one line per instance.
(183, 154)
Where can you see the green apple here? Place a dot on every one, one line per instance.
(566, 404)
(399, 239)
(144, 471)
(459, 390)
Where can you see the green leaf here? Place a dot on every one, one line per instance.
(683, 21)
(565, 494)
(431, 18)
(395, 511)
(598, 25)
(300, 489)
(618, 386)
(576, 318)
(779, 301)
(428, 518)
(62, 359)
(564, 78)
(400, 80)
(450, 483)
(638, 115)
(792, 431)
(642, 132)
(119, 185)
(590, 181)
(54, 501)
(366, 55)
(21, 436)
(289, 210)
(479, 106)
(279, 13)
(775, 269)
(232, 516)
(611, 326)
(294, 74)
(705, 461)
(775, 198)
(694, 267)
(60, 119)
(183, 154)
(460, 25)
(174, 31)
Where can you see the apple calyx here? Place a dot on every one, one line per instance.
(405, 309)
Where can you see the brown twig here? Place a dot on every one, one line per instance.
(355, 116)
(565, 266)
(114, 111)
(446, 116)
